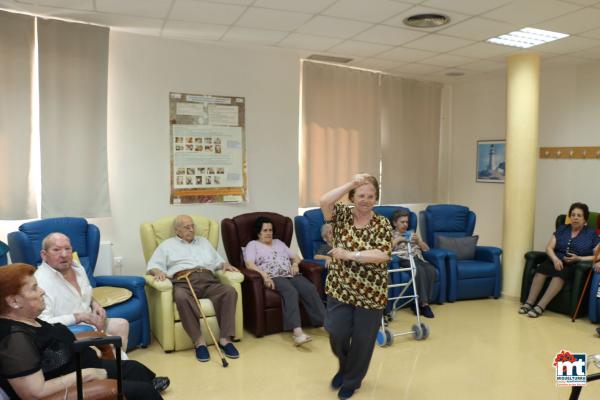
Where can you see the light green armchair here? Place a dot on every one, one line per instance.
(164, 318)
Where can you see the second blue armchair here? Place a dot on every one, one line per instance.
(26, 244)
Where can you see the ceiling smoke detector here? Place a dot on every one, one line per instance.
(426, 20)
(455, 73)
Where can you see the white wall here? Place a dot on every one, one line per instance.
(142, 72)
(569, 116)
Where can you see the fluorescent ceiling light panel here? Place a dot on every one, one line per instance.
(527, 37)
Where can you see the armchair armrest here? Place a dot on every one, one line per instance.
(313, 272)
(437, 258)
(229, 277)
(532, 259)
(161, 286)
(105, 349)
(487, 253)
(133, 283)
(535, 256)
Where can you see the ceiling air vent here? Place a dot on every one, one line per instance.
(426, 20)
(330, 59)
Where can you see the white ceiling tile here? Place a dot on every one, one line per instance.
(482, 50)
(471, 7)
(142, 8)
(579, 21)
(375, 63)
(417, 69)
(369, 11)
(39, 10)
(308, 42)
(478, 28)
(361, 49)
(447, 60)
(272, 19)
(307, 6)
(210, 13)
(388, 35)
(483, 66)
(594, 34)
(253, 36)
(583, 2)
(406, 55)
(398, 20)
(593, 53)
(568, 45)
(334, 27)
(193, 30)
(570, 59)
(527, 13)
(439, 43)
(86, 5)
(239, 2)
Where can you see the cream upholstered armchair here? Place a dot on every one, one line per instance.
(164, 317)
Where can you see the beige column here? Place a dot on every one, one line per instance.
(522, 106)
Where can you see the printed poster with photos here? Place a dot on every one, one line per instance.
(208, 149)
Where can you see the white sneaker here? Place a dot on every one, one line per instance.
(301, 339)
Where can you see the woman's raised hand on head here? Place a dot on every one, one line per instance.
(359, 179)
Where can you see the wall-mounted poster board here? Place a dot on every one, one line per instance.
(208, 149)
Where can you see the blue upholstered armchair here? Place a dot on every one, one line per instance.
(3, 253)
(25, 246)
(308, 234)
(467, 279)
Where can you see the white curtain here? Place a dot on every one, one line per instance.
(73, 70)
(410, 132)
(17, 199)
(340, 128)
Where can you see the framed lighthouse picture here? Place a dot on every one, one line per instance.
(491, 161)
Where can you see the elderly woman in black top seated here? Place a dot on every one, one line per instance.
(279, 268)
(36, 358)
(568, 245)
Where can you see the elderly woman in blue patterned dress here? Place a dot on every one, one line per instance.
(568, 245)
(357, 279)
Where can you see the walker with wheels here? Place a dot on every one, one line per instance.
(419, 331)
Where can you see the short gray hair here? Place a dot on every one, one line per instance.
(324, 228)
(49, 240)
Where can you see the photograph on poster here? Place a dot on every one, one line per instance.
(491, 161)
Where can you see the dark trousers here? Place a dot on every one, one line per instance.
(206, 285)
(424, 279)
(137, 378)
(352, 333)
(299, 288)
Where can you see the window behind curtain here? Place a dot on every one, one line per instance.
(410, 131)
(358, 121)
(340, 128)
(73, 70)
(17, 200)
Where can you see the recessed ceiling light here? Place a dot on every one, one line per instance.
(527, 37)
(455, 73)
(426, 20)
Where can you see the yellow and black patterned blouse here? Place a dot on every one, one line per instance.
(361, 285)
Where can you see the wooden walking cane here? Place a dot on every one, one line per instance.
(187, 279)
(587, 283)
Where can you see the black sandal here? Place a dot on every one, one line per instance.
(536, 311)
(525, 308)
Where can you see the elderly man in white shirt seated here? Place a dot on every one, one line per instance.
(68, 293)
(191, 256)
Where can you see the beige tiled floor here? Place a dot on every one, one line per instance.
(479, 349)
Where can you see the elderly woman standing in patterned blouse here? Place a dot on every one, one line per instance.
(278, 266)
(357, 279)
(568, 245)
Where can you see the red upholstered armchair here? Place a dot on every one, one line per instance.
(262, 306)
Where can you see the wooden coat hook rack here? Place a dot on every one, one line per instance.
(570, 152)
